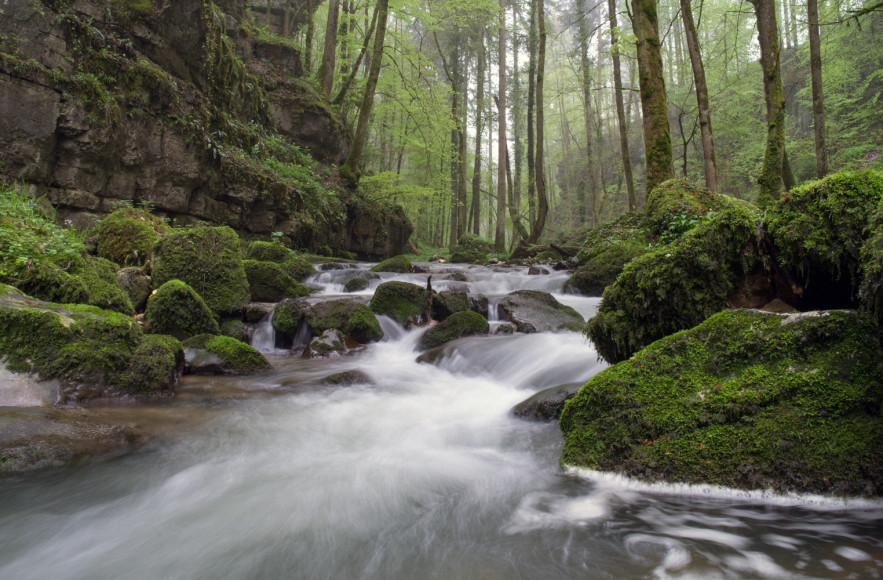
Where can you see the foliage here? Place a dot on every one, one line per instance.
(745, 399)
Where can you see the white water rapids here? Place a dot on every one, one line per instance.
(424, 475)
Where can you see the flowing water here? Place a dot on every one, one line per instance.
(423, 475)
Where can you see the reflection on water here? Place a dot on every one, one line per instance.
(426, 474)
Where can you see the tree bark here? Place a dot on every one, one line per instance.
(311, 27)
(542, 203)
(709, 162)
(818, 107)
(620, 110)
(350, 170)
(476, 166)
(770, 180)
(657, 135)
(586, 69)
(531, 105)
(500, 233)
(326, 69)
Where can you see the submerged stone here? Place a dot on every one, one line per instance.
(547, 404)
(535, 311)
(346, 378)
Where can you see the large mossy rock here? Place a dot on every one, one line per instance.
(397, 264)
(406, 303)
(457, 325)
(677, 286)
(871, 291)
(288, 315)
(448, 302)
(350, 317)
(269, 282)
(207, 354)
(820, 229)
(127, 236)
(293, 265)
(603, 267)
(471, 249)
(468, 257)
(746, 399)
(535, 311)
(93, 352)
(209, 260)
(675, 206)
(177, 310)
(137, 284)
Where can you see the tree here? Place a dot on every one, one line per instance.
(476, 166)
(500, 233)
(818, 107)
(542, 202)
(586, 70)
(657, 135)
(326, 69)
(620, 109)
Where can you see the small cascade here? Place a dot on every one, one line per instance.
(392, 330)
(264, 337)
(302, 338)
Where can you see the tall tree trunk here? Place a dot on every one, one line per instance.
(818, 107)
(771, 175)
(620, 110)
(476, 166)
(500, 234)
(456, 135)
(531, 105)
(520, 231)
(517, 101)
(350, 170)
(585, 66)
(701, 96)
(657, 135)
(463, 82)
(311, 28)
(326, 69)
(542, 203)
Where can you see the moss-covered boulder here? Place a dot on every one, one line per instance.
(137, 284)
(746, 399)
(331, 342)
(177, 310)
(293, 265)
(127, 236)
(675, 207)
(468, 257)
(288, 315)
(535, 311)
(675, 287)
(352, 318)
(447, 302)
(100, 279)
(234, 328)
(268, 282)
(820, 229)
(408, 304)
(209, 260)
(356, 284)
(455, 326)
(397, 264)
(93, 352)
(207, 354)
(471, 243)
(603, 267)
(871, 291)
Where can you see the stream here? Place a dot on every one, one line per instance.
(424, 475)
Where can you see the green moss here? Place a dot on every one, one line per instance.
(398, 264)
(237, 357)
(745, 399)
(99, 277)
(471, 243)
(155, 366)
(355, 284)
(136, 284)
(348, 316)
(403, 302)
(675, 286)
(209, 260)
(294, 265)
(176, 309)
(604, 266)
(548, 256)
(447, 302)
(871, 291)
(820, 227)
(468, 257)
(675, 207)
(455, 326)
(127, 236)
(288, 315)
(268, 282)
(49, 282)
(234, 328)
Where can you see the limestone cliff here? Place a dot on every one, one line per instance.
(184, 105)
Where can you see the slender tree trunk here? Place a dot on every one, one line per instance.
(701, 96)
(520, 231)
(455, 142)
(476, 166)
(818, 108)
(326, 69)
(311, 27)
(463, 82)
(350, 170)
(531, 106)
(773, 160)
(657, 135)
(517, 100)
(586, 69)
(542, 203)
(500, 235)
(620, 110)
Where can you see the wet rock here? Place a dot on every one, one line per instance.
(221, 355)
(456, 326)
(479, 303)
(537, 271)
(408, 304)
(255, 312)
(447, 302)
(535, 311)
(352, 318)
(330, 343)
(504, 329)
(329, 266)
(346, 378)
(136, 284)
(355, 284)
(547, 404)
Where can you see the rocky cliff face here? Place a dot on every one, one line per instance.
(177, 104)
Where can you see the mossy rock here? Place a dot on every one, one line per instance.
(447, 302)
(397, 264)
(136, 284)
(177, 310)
(548, 256)
(230, 356)
(346, 378)
(49, 282)
(469, 245)
(355, 284)
(94, 352)
(626, 230)
(820, 229)
(871, 291)
(352, 318)
(127, 236)
(535, 311)
(288, 315)
(100, 278)
(675, 206)
(404, 302)
(603, 267)
(675, 287)
(268, 282)
(208, 259)
(746, 399)
(468, 257)
(293, 265)
(234, 328)
(331, 342)
(457, 325)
